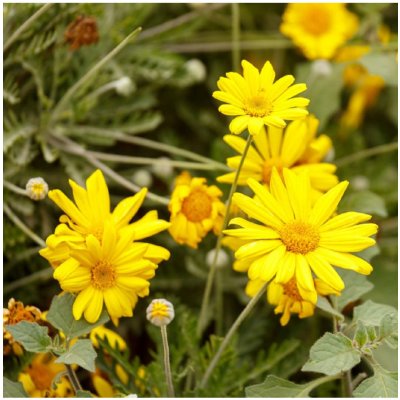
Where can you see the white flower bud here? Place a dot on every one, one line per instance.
(196, 69)
(162, 167)
(37, 188)
(160, 312)
(124, 86)
(222, 258)
(142, 178)
(321, 68)
(360, 182)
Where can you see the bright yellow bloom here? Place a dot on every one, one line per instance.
(38, 376)
(113, 271)
(113, 338)
(195, 210)
(295, 238)
(296, 148)
(319, 29)
(256, 100)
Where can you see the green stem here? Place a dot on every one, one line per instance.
(235, 36)
(23, 227)
(41, 275)
(25, 26)
(317, 382)
(14, 188)
(373, 151)
(219, 303)
(84, 79)
(210, 278)
(73, 378)
(250, 305)
(167, 365)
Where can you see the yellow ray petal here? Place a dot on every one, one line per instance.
(344, 220)
(127, 208)
(286, 268)
(94, 307)
(257, 248)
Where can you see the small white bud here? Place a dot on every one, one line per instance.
(160, 312)
(196, 69)
(162, 167)
(142, 178)
(124, 86)
(37, 188)
(222, 258)
(321, 67)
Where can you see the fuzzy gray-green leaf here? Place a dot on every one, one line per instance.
(31, 335)
(81, 353)
(382, 384)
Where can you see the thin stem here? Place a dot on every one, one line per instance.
(246, 311)
(23, 227)
(73, 378)
(167, 365)
(373, 151)
(84, 79)
(210, 278)
(316, 383)
(346, 384)
(235, 36)
(14, 188)
(25, 26)
(43, 274)
(219, 303)
(358, 379)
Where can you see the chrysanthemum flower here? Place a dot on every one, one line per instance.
(319, 29)
(112, 271)
(296, 148)
(256, 100)
(296, 238)
(37, 378)
(195, 210)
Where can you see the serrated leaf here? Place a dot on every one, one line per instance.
(331, 354)
(372, 313)
(277, 387)
(60, 316)
(13, 389)
(388, 330)
(364, 201)
(382, 384)
(356, 285)
(81, 353)
(31, 335)
(323, 304)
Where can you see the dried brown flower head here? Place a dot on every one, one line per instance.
(82, 31)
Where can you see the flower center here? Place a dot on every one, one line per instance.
(299, 237)
(258, 105)
(103, 275)
(267, 168)
(41, 376)
(317, 20)
(197, 206)
(290, 290)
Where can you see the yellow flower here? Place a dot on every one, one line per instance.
(102, 384)
(195, 210)
(256, 100)
(104, 333)
(296, 238)
(38, 376)
(319, 29)
(113, 271)
(296, 148)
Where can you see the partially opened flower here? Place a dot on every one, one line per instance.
(296, 147)
(195, 209)
(160, 312)
(255, 100)
(297, 239)
(319, 29)
(112, 272)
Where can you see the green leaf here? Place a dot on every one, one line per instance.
(81, 353)
(60, 316)
(372, 313)
(323, 304)
(364, 201)
(13, 389)
(388, 330)
(31, 335)
(382, 64)
(84, 394)
(382, 384)
(331, 354)
(361, 335)
(356, 285)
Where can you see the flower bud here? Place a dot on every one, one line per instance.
(37, 188)
(160, 312)
(124, 86)
(222, 258)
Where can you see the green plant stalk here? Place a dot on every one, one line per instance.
(14, 188)
(373, 151)
(318, 382)
(23, 227)
(43, 274)
(246, 311)
(84, 79)
(25, 26)
(235, 36)
(73, 378)
(219, 302)
(167, 365)
(210, 277)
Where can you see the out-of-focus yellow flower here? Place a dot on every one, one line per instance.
(296, 147)
(113, 338)
(255, 100)
(319, 29)
(351, 53)
(38, 376)
(102, 384)
(14, 313)
(195, 209)
(296, 238)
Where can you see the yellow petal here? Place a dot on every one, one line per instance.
(238, 124)
(286, 268)
(127, 208)
(344, 220)
(257, 248)
(94, 306)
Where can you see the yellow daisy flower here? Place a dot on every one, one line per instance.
(112, 271)
(296, 238)
(195, 210)
(319, 29)
(256, 100)
(38, 376)
(296, 148)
